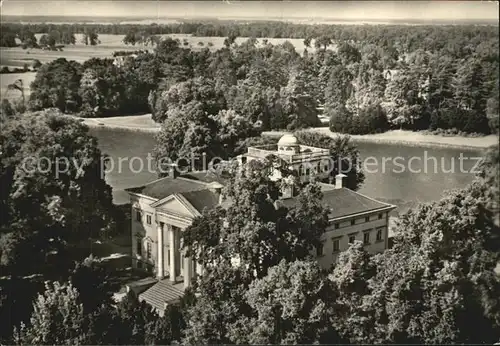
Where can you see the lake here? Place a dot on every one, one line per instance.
(401, 175)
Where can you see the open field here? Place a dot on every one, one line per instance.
(17, 57)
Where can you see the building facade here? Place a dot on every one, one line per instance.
(164, 208)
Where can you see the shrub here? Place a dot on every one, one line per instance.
(494, 124)
(36, 64)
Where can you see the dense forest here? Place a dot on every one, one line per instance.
(365, 78)
(419, 36)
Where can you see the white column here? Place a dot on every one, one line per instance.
(160, 259)
(187, 271)
(172, 249)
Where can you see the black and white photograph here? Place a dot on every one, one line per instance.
(249, 172)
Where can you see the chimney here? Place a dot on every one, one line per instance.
(216, 188)
(173, 170)
(339, 180)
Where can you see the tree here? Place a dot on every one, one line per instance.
(169, 142)
(130, 38)
(348, 53)
(232, 128)
(197, 92)
(436, 284)
(343, 153)
(6, 110)
(134, 317)
(307, 42)
(51, 205)
(56, 85)
(36, 64)
(219, 305)
(339, 87)
(403, 104)
(92, 282)
(229, 41)
(57, 318)
(293, 305)
(351, 278)
(90, 37)
(28, 39)
(54, 37)
(45, 41)
(68, 37)
(8, 39)
(322, 41)
(254, 230)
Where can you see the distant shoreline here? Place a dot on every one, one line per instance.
(144, 123)
(412, 139)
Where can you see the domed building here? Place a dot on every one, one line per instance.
(164, 208)
(288, 144)
(307, 161)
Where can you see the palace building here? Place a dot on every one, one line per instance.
(163, 208)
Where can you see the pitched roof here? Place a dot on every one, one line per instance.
(207, 177)
(344, 202)
(201, 199)
(194, 187)
(161, 293)
(167, 186)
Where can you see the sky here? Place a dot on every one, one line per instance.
(365, 10)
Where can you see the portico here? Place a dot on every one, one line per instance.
(171, 261)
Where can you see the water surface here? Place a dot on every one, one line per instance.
(391, 181)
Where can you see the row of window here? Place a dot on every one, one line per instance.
(138, 217)
(367, 219)
(304, 170)
(352, 237)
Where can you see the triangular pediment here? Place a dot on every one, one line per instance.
(177, 205)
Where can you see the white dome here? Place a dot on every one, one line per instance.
(288, 140)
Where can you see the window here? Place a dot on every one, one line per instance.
(336, 245)
(366, 238)
(138, 248)
(367, 219)
(337, 226)
(352, 238)
(380, 216)
(379, 234)
(148, 219)
(319, 250)
(138, 215)
(353, 222)
(149, 250)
